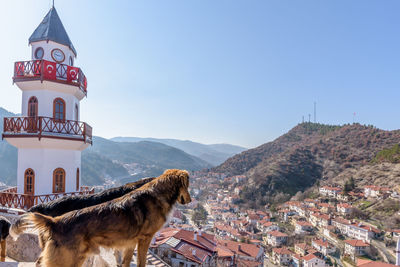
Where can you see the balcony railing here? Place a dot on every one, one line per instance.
(24, 201)
(50, 71)
(47, 127)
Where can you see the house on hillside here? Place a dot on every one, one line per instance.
(323, 246)
(276, 238)
(281, 256)
(301, 248)
(375, 191)
(252, 255)
(329, 191)
(355, 248)
(344, 208)
(302, 227)
(185, 248)
(311, 260)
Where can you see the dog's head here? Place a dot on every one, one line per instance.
(181, 180)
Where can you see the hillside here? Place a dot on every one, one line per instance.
(306, 154)
(146, 158)
(214, 154)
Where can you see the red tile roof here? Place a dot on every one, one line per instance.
(369, 263)
(248, 250)
(187, 250)
(276, 233)
(303, 223)
(356, 243)
(309, 257)
(282, 250)
(321, 242)
(302, 246)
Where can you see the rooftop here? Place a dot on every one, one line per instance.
(52, 29)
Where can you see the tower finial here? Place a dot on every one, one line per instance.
(53, 3)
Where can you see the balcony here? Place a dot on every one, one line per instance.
(9, 198)
(41, 127)
(43, 70)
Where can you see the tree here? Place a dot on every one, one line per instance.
(199, 215)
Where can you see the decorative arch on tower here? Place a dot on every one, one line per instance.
(29, 182)
(33, 106)
(59, 109)
(59, 180)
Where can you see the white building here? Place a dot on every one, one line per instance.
(48, 134)
(323, 246)
(355, 248)
(311, 260)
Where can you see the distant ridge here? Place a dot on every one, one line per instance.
(109, 160)
(214, 154)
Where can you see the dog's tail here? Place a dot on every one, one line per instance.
(37, 221)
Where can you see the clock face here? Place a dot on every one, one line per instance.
(57, 55)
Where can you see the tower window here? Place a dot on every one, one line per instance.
(32, 107)
(59, 109)
(59, 180)
(29, 182)
(77, 179)
(39, 53)
(76, 112)
(71, 61)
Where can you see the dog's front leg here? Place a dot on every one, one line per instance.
(143, 246)
(128, 254)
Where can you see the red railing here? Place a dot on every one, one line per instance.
(48, 70)
(45, 126)
(23, 201)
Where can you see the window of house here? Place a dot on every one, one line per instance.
(59, 180)
(59, 109)
(29, 182)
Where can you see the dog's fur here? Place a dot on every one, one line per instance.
(66, 204)
(69, 203)
(133, 218)
(4, 228)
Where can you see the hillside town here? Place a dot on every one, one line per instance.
(319, 231)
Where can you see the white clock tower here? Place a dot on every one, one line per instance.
(49, 135)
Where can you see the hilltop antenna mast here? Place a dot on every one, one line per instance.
(315, 112)
(303, 119)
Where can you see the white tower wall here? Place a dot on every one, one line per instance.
(45, 103)
(48, 46)
(43, 162)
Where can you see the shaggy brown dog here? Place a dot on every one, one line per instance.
(70, 203)
(119, 223)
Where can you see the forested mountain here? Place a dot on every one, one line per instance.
(213, 154)
(307, 154)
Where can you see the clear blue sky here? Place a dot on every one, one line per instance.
(220, 71)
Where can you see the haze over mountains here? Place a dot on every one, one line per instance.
(126, 161)
(214, 154)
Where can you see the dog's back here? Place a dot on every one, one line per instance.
(66, 204)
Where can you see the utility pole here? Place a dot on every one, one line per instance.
(315, 112)
(309, 117)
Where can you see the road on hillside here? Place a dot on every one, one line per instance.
(383, 250)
